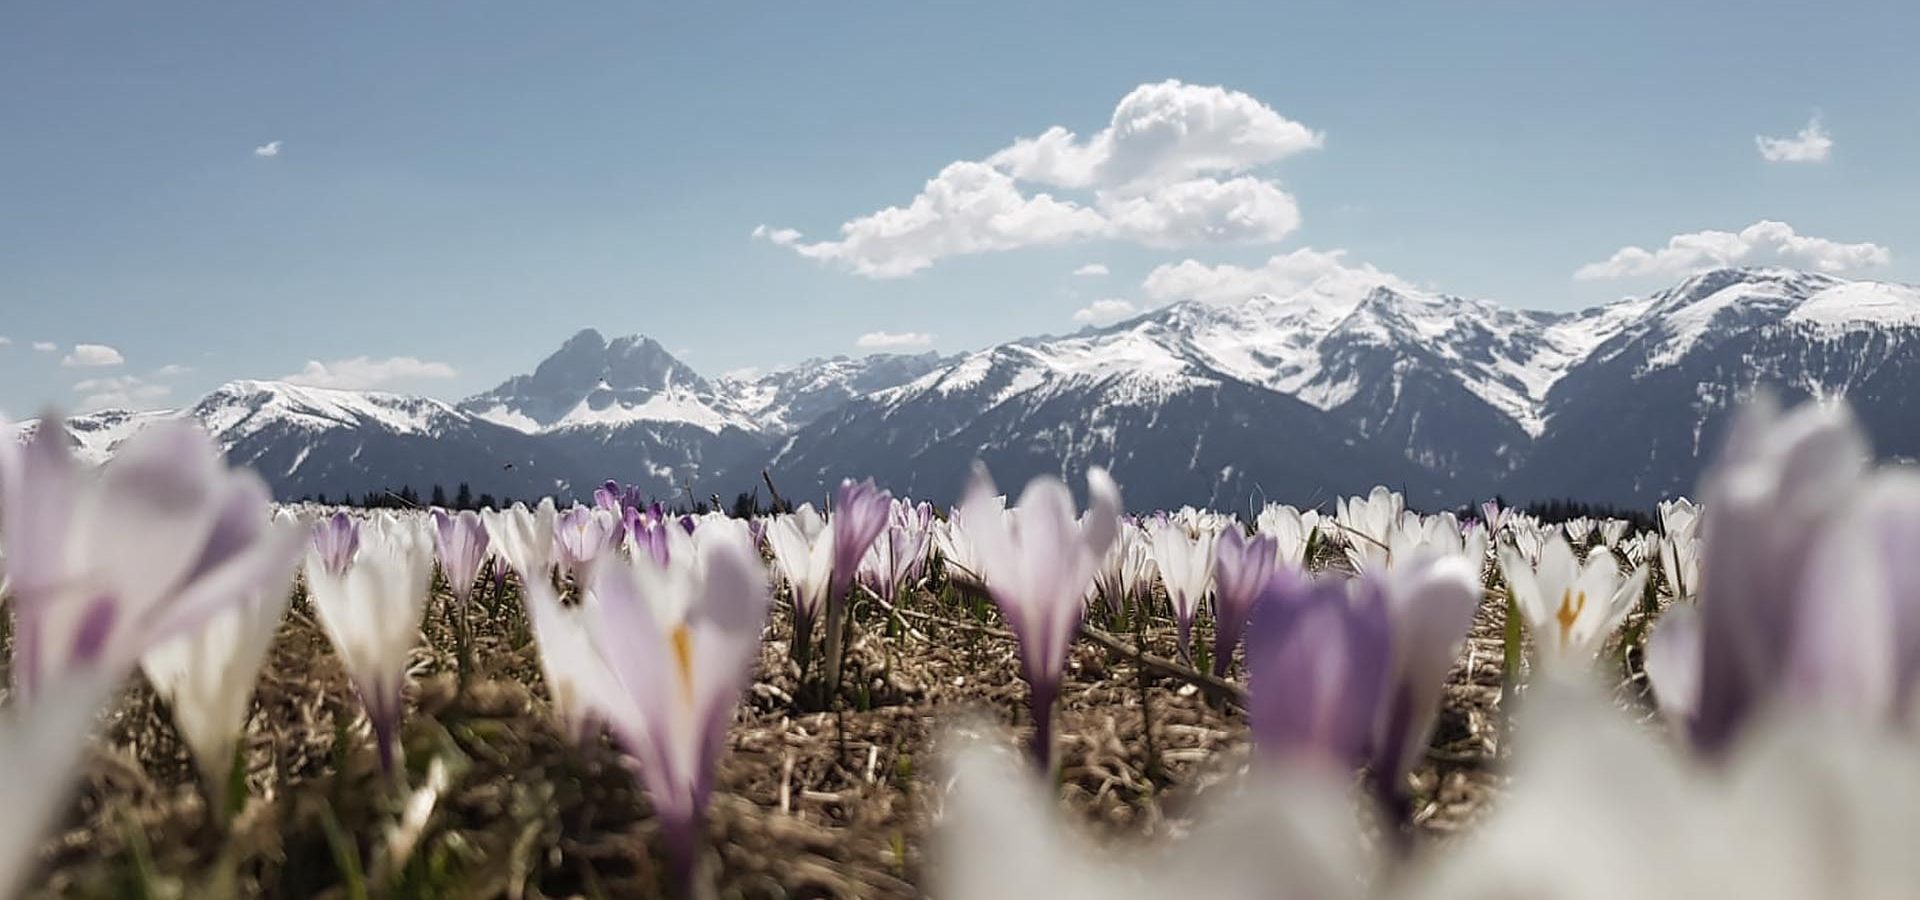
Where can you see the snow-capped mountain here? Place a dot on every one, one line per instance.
(1289, 398)
(309, 441)
(1450, 398)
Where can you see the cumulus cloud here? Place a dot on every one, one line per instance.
(121, 392)
(362, 373)
(1284, 275)
(46, 346)
(1811, 145)
(267, 150)
(888, 340)
(171, 370)
(1104, 312)
(1169, 170)
(1091, 270)
(1765, 242)
(92, 356)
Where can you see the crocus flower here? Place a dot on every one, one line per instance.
(335, 540)
(575, 673)
(1040, 562)
(1279, 834)
(1242, 567)
(1493, 515)
(899, 552)
(105, 562)
(680, 641)
(1185, 562)
(582, 534)
(1126, 575)
(802, 546)
(1318, 655)
(43, 742)
(1570, 607)
(1291, 529)
(1430, 603)
(524, 538)
(372, 614)
(1779, 482)
(860, 511)
(1367, 524)
(460, 543)
(1803, 807)
(207, 677)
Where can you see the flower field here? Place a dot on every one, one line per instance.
(1036, 693)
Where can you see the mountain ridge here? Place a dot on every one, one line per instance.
(1451, 397)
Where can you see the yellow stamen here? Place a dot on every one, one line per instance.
(682, 640)
(1571, 605)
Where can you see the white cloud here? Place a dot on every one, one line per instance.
(1091, 270)
(267, 150)
(362, 373)
(1284, 275)
(1150, 176)
(1765, 242)
(120, 392)
(1811, 144)
(46, 346)
(171, 370)
(5, 341)
(92, 356)
(1160, 134)
(1104, 312)
(887, 340)
(969, 207)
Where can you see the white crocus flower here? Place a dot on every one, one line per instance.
(372, 614)
(208, 676)
(1292, 529)
(524, 538)
(1185, 562)
(1570, 607)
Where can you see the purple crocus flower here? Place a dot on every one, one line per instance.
(1778, 485)
(1242, 568)
(1430, 600)
(1318, 655)
(335, 540)
(607, 496)
(1493, 516)
(859, 513)
(460, 543)
(1039, 563)
(103, 563)
(582, 534)
(679, 642)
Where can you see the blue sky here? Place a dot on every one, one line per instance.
(458, 186)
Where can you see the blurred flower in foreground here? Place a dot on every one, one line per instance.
(1778, 495)
(570, 661)
(104, 562)
(1279, 834)
(207, 677)
(1040, 560)
(1804, 807)
(1318, 657)
(372, 614)
(860, 512)
(1430, 603)
(42, 746)
(680, 642)
(1570, 607)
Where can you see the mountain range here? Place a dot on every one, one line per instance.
(1298, 398)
